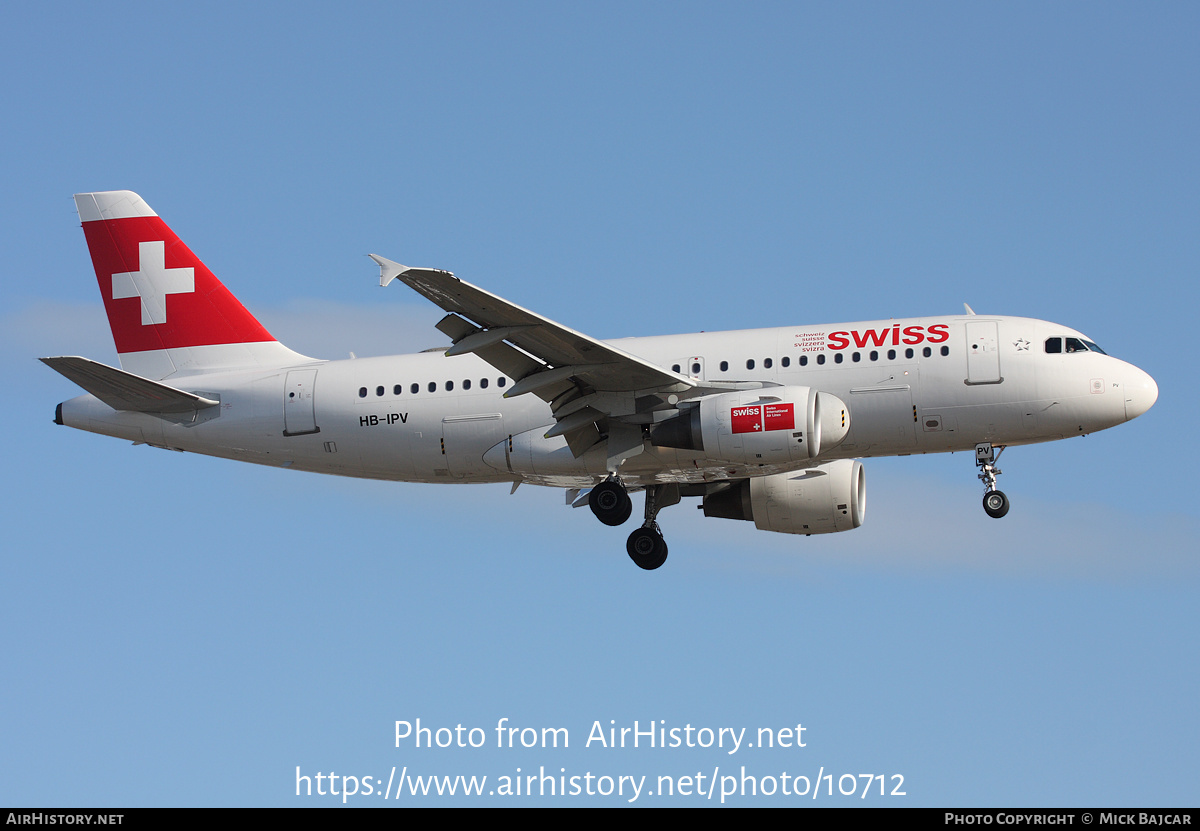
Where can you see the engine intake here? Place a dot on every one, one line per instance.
(819, 500)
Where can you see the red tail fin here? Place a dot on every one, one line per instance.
(169, 314)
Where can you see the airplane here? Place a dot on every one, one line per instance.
(764, 425)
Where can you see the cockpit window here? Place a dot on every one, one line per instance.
(1081, 345)
(1054, 346)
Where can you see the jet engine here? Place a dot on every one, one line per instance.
(779, 425)
(819, 500)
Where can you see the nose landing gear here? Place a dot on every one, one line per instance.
(995, 503)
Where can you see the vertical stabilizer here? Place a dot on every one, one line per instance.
(169, 314)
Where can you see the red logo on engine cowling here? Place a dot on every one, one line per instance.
(746, 419)
(779, 417)
(758, 418)
(890, 336)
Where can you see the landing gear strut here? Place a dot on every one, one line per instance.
(610, 502)
(995, 503)
(646, 545)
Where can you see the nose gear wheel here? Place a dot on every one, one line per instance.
(995, 503)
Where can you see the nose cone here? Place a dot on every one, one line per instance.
(1140, 393)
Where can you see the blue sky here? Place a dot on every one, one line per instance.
(187, 631)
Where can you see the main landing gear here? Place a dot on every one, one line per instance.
(611, 504)
(995, 503)
(646, 547)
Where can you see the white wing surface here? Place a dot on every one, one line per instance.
(587, 382)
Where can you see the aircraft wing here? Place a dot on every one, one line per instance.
(587, 382)
(125, 391)
(598, 365)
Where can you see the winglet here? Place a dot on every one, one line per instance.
(388, 270)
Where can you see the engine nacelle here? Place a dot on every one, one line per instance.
(820, 500)
(779, 425)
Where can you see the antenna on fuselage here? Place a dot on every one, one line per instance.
(970, 311)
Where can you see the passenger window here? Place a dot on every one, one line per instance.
(837, 359)
(856, 357)
(483, 383)
(803, 360)
(501, 381)
(379, 390)
(433, 386)
(786, 361)
(674, 367)
(908, 353)
(724, 366)
(449, 386)
(750, 364)
(821, 358)
(696, 369)
(466, 383)
(767, 363)
(414, 389)
(874, 355)
(362, 392)
(927, 351)
(396, 390)
(945, 350)
(1054, 345)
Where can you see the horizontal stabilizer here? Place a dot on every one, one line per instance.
(125, 391)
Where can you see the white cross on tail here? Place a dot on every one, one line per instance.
(153, 282)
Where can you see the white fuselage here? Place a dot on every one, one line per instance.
(995, 383)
